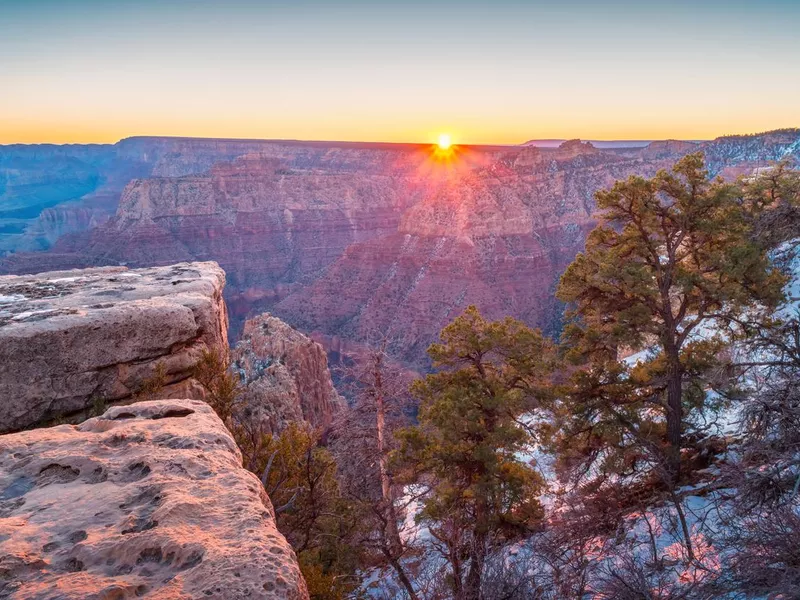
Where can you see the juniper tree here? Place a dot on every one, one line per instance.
(672, 264)
(466, 449)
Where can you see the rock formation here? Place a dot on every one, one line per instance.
(34, 178)
(285, 376)
(147, 500)
(76, 340)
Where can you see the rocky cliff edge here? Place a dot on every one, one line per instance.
(146, 500)
(73, 341)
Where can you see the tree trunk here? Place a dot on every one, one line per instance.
(477, 558)
(455, 565)
(392, 533)
(477, 554)
(386, 484)
(404, 580)
(687, 536)
(674, 422)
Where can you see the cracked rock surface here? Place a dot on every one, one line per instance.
(147, 500)
(74, 340)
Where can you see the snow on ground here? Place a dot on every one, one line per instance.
(654, 527)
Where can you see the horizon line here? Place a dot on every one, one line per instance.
(395, 143)
(373, 142)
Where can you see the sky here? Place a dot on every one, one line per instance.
(499, 72)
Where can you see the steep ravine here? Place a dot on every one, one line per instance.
(342, 239)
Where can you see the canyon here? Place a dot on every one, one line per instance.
(346, 241)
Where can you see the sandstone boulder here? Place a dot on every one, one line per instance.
(74, 340)
(149, 499)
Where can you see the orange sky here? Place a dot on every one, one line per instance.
(500, 72)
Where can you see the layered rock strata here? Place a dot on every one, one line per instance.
(343, 240)
(285, 376)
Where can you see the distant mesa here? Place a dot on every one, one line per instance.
(601, 144)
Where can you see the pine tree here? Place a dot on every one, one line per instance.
(671, 268)
(466, 449)
(362, 440)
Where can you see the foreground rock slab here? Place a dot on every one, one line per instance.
(72, 340)
(147, 500)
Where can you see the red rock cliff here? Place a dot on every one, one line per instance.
(340, 239)
(285, 375)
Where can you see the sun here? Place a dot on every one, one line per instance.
(444, 141)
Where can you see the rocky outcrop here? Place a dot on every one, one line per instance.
(76, 340)
(147, 500)
(668, 148)
(573, 148)
(285, 376)
(735, 155)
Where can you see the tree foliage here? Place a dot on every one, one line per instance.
(672, 267)
(300, 478)
(467, 448)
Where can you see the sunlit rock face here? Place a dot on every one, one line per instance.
(84, 182)
(284, 376)
(74, 340)
(147, 500)
(342, 239)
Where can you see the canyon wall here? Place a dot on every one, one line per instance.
(147, 500)
(344, 240)
(284, 376)
(85, 181)
(72, 341)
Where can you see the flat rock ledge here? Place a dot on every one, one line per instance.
(147, 500)
(83, 339)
